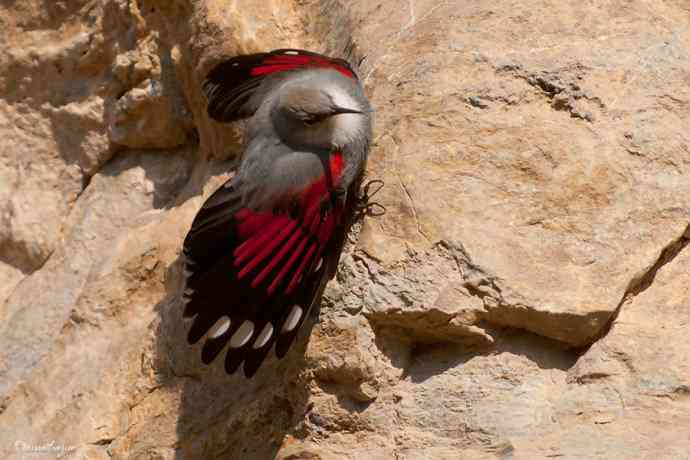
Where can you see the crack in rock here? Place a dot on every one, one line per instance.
(644, 280)
(573, 329)
(564, 92)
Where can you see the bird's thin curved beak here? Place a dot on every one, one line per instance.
(339, 110)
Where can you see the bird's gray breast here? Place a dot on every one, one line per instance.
(272, 172)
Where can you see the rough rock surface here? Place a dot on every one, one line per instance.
(526, 294)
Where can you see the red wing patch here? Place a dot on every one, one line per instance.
(231, 85)
(276, 249)
(284, 60)
(253, 276)
(277, 254)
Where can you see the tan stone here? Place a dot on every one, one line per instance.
(144, 118)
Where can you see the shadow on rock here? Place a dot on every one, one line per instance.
(421, 360)
(226, 416)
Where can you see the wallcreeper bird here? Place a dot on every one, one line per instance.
(264, 245)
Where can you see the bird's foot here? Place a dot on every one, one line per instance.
(365, 206)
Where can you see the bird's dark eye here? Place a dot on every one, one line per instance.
(312, 119)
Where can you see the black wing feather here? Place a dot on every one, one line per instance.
(214, 290)
(231, 86)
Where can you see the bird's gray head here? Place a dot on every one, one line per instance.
(320, 115)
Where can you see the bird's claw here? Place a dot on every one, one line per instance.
(372, 210)
(366, 190)
(365, 207)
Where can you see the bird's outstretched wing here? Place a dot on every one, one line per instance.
(253, 277)
(231, 86)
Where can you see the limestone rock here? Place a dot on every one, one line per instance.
(37, 190)
(144, 118)
(524, 296)
(544, 203)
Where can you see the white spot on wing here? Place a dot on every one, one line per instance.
(242, 335)
(264, 336)
(292, 52)
(220, 328)
(293, 318)
(319, 264)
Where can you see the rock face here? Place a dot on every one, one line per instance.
(526, 294)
